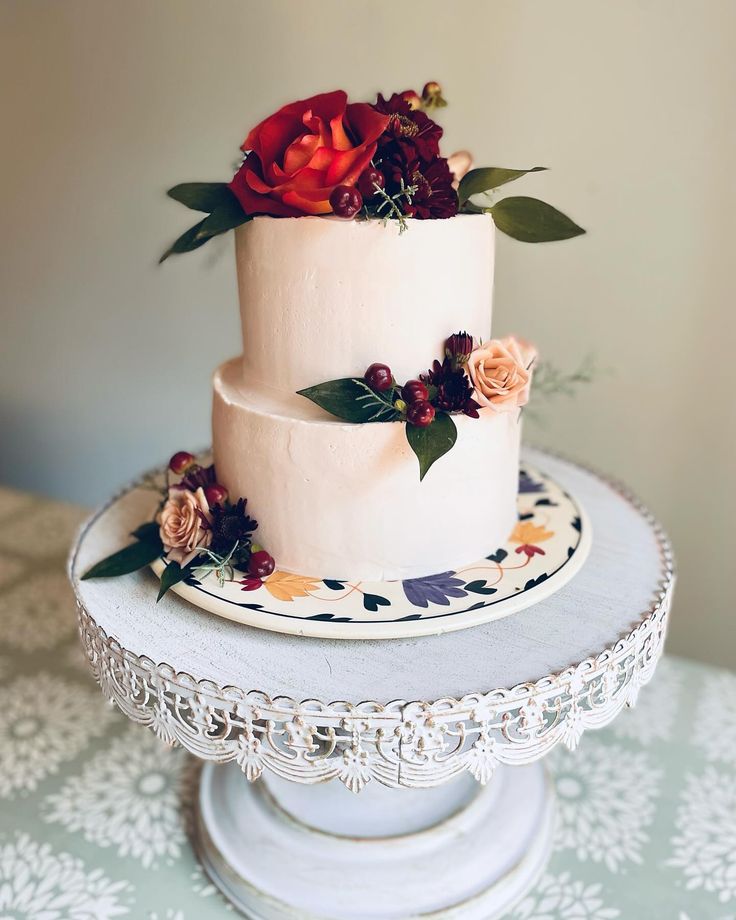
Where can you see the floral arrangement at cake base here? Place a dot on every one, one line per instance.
(198, 529)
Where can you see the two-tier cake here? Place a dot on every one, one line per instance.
(371, 425)
(323, 298)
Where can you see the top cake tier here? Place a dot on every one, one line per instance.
(322, 298)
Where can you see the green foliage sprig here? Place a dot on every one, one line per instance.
(352, 400)
(520, 217)
(217, 201)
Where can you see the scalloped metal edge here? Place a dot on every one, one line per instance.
(398, 743)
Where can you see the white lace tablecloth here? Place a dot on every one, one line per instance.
(94, 810)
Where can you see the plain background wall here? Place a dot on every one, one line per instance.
(105, 358)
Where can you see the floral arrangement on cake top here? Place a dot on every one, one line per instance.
(197, 528)
(327, 156)
(496, 375)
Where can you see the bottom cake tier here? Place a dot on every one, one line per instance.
(345, 500)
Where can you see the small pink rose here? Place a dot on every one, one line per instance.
(459, 163)
(184, 525)
(501, 372)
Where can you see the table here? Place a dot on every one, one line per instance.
(655, 835)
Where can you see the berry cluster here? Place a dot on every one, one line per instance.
(444, 388)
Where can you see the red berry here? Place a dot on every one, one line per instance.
(261, 564)
(420, 413)
(345, 201)
(379, 377)
(215, 494)
(414, 391)
(181, 462)
(369, 179)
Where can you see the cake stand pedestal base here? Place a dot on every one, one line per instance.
(280, 850)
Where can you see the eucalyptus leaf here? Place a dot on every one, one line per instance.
(201, 196)
(432, 442)
(172, 575)
(352, 400)
(533, 221)
(484, 180)
(133, 557)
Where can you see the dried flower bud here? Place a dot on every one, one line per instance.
(412, 98)
(458, 347)
(432, 96)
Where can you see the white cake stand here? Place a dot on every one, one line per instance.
(455, 815)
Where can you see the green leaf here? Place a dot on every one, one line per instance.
(172, 575)
(148, 532)
(201, 196)
(352, 400)
(484, 180)
(432, 442)
(127, 560)
(188, 241)
(227, 215)
(533, 221)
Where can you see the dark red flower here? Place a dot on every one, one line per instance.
(198, 476)
(529, 550)
(434, 196)
(250, 584)
(459, 346)
(453, 390)
(409, 130)
(231, 525)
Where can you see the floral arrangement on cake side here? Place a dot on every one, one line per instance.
(197, 528)
(495, 375)
(327, 156)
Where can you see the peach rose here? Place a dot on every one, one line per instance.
(459, 163)
(501, 372)
(184, 525)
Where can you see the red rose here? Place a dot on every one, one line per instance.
(297, 156)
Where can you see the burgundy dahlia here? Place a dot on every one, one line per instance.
(231, 525)
(409, 131)
(434, 196)
(453, 390)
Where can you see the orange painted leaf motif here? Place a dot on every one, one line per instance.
(526, 532)
(285, 587)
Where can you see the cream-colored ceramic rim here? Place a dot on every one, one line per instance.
(401, 619)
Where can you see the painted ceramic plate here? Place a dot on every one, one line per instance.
(547, 547)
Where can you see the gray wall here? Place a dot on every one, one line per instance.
(106, 358)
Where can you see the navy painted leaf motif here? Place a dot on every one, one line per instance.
(527, 484)
(333, 584)
(433, 589)
(251, 606)
(545, 501)
(577, 524)
(373, 601)
(330, 617)
(570, 551)
(480, 587)
(533, 582)
(526, 517)
(498, 556)
(412, 616)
